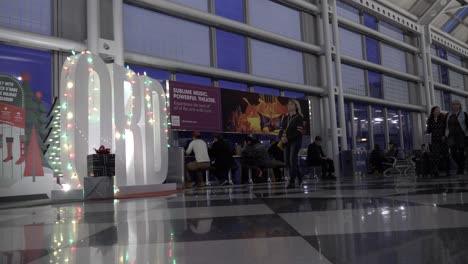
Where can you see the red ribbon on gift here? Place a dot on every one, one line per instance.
(102, 150)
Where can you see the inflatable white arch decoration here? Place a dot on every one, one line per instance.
(112, 106)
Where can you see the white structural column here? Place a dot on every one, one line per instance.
(427, 68)
(333, 132)
(117, 14)
(93, 25)
(339, 82)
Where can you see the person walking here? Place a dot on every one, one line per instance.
(292, 128)
(456, 132)
(436, 125)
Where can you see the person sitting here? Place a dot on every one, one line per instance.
(376, 160)
(316, 157)
(276, 153)
(255, 155)
(202, 160)
(223, 160)
(392, 152)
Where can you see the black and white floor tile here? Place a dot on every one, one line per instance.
(390, 220)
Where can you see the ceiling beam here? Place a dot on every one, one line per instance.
(436, 8)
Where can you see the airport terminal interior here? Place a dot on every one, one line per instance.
(233, 131)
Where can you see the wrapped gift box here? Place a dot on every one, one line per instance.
(98, 187)
(101, 165)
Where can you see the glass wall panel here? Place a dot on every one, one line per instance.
(231, 51)
(378, 126)
(27, 15)
(372, 50)
(353, 80)
(266, 90)
(407, 124)
(150, 72)
(271, 61)
(187, 78)
(393, 123)
(151, 33)
(396, 90)
(233, 85)
(347, 11)
(391, 31)
(375, 84)
(197, 4)
(361, 126)
(232, 9)
(393, 58)
(351, 43)
(274, 17)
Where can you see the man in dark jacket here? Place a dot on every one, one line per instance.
(277, 154)
(316, 157)
(221, 153)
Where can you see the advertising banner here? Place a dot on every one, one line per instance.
(195, 107)
(245, 112)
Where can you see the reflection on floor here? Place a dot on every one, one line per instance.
(391, 220)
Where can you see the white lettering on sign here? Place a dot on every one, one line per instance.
(112, 106)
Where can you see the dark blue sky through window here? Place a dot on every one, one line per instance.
(231, 51)
(370, 21)
(375, 84)
(187, 78)
(372, 50)
(150, 72)
(232, 9)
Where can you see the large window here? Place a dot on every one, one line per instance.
(393, 58)
(351, 43)
(375, 84)
(372, 50)
(187, 78)
(197, 4)
(391, 31)
(36, 65)
(454, 59)
(159, 35)
(274, 17)
(353, 80)
(266, 90)
(456, 80)
(151, 72)
(233, 85)
(396, 90)
(27, 15)
(292, 94)
(276, 62)
(231, 51)
(378, 126)
(438, 98)
(347, 11)
(407, 125)
(393, 123)
(435, 72)
(370, 21)
(361, 126)
(232, 9)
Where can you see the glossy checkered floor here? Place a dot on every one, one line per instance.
(392, 220)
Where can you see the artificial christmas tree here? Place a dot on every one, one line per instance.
(36, 117)
(52, 140)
